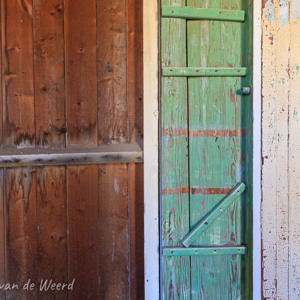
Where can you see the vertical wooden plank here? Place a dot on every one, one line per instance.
(17, 68)
(215, 162)
(80, 73)
(174, 158)
(1, 75)
(83, 230)
(49, 80)
(135, 69)
(293, 155)
(113, 233)
(2, 236)
(275, 149)
(81, 117)
(21, 231)
(136, 231)
(112, 71)
(52, 231)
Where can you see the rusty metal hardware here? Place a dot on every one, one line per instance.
(246, 91)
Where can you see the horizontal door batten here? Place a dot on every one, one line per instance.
(205, 132)
(203, 72)
(118, 153)
(194, 251)
(196, 191)
(203, 13)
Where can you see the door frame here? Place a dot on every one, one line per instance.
(151, 147)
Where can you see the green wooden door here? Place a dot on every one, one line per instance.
(206, 149)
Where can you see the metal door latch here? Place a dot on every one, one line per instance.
(245, 90)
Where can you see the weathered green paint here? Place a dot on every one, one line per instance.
(212, 162)
(196, 251)
(213, 214)
(215, 163)
(204, 72)
(203, 13)
(174, 158)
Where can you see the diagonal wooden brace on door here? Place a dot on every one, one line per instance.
(213, 214)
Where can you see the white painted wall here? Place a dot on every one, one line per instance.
(257, 31)
(280, 218)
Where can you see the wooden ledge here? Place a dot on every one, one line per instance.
(106, 154)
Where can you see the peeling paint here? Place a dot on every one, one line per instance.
(296, 9)
(281, 144)
(283, 11)
(270, 11)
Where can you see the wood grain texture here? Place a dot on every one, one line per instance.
(280, 148)
(1, 75)
(201, 13)
(174, 158)
(2, 235)
(112, 71)
(215, 162)
(294, 154)
(83, 230)
(17, 68)
(113, 232)
(80, 73)
(52, 230)
(136, 230)
(135, 69)
(42, 157)
(21, 231)
(49, 81)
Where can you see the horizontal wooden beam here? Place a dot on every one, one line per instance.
(118, 153)
(213, 214)
(196, 251)
(203, 72)
(203, 13)
(204, 132)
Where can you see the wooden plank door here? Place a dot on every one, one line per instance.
(206, 149)
(71, 172)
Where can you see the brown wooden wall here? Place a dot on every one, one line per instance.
(71, 78)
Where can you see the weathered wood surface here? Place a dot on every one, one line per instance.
(80, 73)
(204, 72)
(136, 230)
(212, 215)
(52, 53)
(196, 251)
(280, 150)
(2, 235)
(51, 212)
(83, 231)
(17, 70)
(201, 13)
(49, 80)
(215, 162)
(21, 231)
(45, 157)
(135, 69)
(111, 65)
(219, 136)
(114, 232)
(174, 160)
